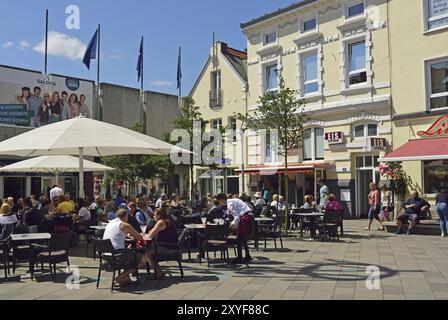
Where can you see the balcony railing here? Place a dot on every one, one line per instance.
(216, 99)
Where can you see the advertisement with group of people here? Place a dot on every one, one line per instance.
(29, 99)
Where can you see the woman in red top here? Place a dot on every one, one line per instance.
(375, 206)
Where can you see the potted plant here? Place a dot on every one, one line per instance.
(398, 182)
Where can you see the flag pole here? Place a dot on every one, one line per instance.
(142, 89)
(180, 77)
(99, 106)
(46, 44)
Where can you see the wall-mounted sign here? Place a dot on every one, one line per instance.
(438, 129)
(334, 137)
(14, 114)
(378, 144)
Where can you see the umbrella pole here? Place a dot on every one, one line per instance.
(81, 173)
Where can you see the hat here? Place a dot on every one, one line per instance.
(258, 195)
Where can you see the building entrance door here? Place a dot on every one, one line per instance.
(366, 173)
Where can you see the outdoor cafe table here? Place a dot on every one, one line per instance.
(31, 237)
(313, 218)
(98, 228)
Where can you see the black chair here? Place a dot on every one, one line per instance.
(273, 231)
(56, 252)
(295, 219)
(112, 260)
(91, 236)
(329, 225)
(5, 248)
(166, 252)
(215, 239)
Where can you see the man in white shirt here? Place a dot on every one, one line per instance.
(161, 201)
(240, 212)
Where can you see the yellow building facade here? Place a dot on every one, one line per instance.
(419, 53)
(336, 54)
(220, 93)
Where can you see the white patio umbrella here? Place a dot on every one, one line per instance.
(84, 137)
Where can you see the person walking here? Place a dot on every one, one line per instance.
(375, 207)
(386, 203)
(442, 210)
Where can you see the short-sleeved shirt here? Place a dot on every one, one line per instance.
(66, 207)
(34, 104)
(324, 191)
(84, 214)
(419, 204)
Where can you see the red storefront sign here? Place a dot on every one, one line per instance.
(438, 129)
(334, 137)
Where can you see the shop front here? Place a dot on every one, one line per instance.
(302, 179)
(425, 154)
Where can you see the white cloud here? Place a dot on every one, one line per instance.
(60, 44)
(162, 83)
(23, 45)
(8, 45)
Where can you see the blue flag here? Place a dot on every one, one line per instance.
(140, 61)
(179, 69)
(91, 50)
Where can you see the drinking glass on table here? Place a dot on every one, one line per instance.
(204, 220)
(144, 229)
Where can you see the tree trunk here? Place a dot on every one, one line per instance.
(286, 193)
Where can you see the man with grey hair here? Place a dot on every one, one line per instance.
(56, 192)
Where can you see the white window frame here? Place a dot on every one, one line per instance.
(350, 4)
(302, 25)
(348, 61)
(302, 71)
(300, 74)
(265, 76)
(313, 144)
(429, 95)
(217, 72)
(427, 19)
(268, 32)
(366, 130)
(212, 123)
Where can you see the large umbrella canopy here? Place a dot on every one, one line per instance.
(96, 138)
(84, 137)
(54, 164)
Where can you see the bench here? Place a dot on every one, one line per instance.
(425, 227)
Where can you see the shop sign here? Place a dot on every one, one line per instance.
(438, 129)
(334, 137)
(378, 144)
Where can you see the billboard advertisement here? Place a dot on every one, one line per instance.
(29, 99)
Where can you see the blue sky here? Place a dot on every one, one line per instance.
(165, 24)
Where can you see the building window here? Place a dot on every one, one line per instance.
(313, 144)
(439, 85)
(270, 38)
(366, 130)
(435, 175)
(437, 14)
(309, 72)
(217, 124)
(309, 25)
(357, 63)
(355, 10)
(268, 147)
(271, 77)
(215, 91)
(233, 127)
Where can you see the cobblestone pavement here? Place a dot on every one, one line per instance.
(411, 267)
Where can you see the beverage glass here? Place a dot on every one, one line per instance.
(144, 229)
(204, 220)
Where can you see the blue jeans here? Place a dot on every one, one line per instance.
(442, 210)
(374, 214)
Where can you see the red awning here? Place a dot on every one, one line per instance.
(420, 150)
(292, 168)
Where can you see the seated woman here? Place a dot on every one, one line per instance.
(310, 204)
(7, 221)
(165, 234)
(333, 204)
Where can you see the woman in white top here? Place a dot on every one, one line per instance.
(117, 231)
(7, 220)
(386, 203)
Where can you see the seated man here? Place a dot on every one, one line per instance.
(414, 207)
(117, 231)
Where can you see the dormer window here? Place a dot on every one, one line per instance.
(309, 25)
(355, 10)
(270, 38)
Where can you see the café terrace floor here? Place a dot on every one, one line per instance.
(412, 267)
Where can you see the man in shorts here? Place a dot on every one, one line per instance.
(414, 207)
